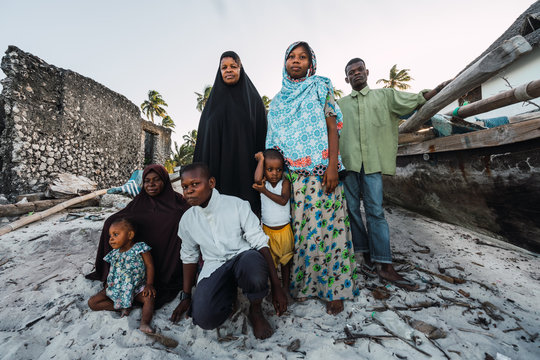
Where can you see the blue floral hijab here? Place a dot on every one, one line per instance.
(296, 119)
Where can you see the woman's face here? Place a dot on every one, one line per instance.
(153, 185)
(297, 63)
(230, 70)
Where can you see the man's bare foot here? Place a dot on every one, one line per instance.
(261, 327)
(334, 307)
(125, 312)
(388, 273)
(145, 328)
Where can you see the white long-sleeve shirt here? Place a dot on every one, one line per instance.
(223, 229)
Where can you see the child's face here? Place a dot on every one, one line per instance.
(297, 63)
(197, 187)
(273, 170)
(230, 71)
(121, 237)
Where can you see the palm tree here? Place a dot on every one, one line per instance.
(266, 101)
(397, 79)
(338, 93)
(183, 154)
(154, 105)
(167, 122)
(190, 138)
(202, 98)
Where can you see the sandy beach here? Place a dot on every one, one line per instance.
(490, 312)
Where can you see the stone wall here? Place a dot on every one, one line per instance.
(54, 120)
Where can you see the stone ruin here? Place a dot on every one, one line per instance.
(57, 121)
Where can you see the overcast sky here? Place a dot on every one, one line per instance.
(174, 46)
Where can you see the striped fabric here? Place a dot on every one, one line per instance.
(132, 187)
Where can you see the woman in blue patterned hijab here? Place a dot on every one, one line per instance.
(303, 123)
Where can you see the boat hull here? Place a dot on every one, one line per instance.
(494, 190)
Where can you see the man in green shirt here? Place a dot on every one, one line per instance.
(368, 148)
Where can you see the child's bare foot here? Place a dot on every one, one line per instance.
(125, 312)
(261, 327)
(334, 307)
(146, 328)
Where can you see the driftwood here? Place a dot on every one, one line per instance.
(24, 208)
(68, 185)
(469, 79)
(521, 93)
(43, 214)
(31, 197)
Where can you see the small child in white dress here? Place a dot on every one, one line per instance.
(275, 209)
(131, 275)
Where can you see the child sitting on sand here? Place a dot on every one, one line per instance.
(131, 275)
(275, 209)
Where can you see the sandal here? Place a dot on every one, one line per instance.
(70, 216)
(369, 271)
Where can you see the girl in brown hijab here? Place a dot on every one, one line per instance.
(156, 211)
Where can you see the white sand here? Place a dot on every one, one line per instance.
(40, 277)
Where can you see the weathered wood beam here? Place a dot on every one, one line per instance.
(500, 135)
(474, 76)
(522, 93)
(43, 214)
(416, 136)
(40, 205)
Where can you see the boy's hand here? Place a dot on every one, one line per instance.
(259, 187)
(180, 310)
(149, 290)
(279, 300)
(259, 156)
(330, 179)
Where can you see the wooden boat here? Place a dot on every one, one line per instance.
(486, 180)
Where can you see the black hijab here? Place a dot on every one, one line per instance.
(231, 130)
(157, 219)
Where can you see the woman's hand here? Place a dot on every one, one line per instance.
(330, 179)
(149, 290)
(180, 310)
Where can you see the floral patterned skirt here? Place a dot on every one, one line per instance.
(323, 263)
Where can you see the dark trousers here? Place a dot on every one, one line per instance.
(215, 295)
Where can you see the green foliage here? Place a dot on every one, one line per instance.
(202, 98)
(154, 105)
(183, 154)
(397, 79)
(266, 101)
(167, 122)
(338, 93)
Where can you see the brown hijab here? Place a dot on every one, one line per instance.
(157, 219)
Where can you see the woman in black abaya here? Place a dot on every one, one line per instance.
(231, 130)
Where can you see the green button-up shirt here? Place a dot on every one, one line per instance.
(370, 128)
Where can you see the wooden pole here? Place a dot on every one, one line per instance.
(43, 214)
(522, 93)
(469, 79)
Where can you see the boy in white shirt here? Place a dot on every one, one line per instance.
(235, 253)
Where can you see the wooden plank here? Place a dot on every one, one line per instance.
(505, 134)
(497, 101)
(416, 136)
(474, 76)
